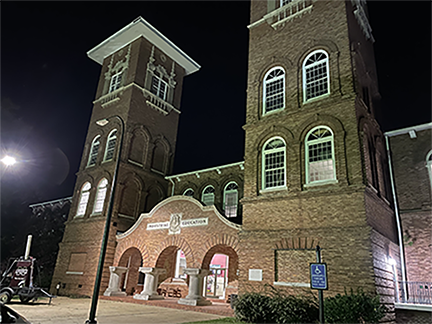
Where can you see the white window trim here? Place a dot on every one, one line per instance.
(230, 191)
(326, 181)
(304, 76)
(110, 137)
(99, 187)
(263, 154)
(95, 140)
(115, 83)
(160, 80)
(184, 192)
(213, 193)
(264, 112)
(83, 191)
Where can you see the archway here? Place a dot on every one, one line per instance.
(222, 260)
(132, 280)
(173, 283)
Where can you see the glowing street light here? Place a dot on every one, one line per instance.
(8, 160)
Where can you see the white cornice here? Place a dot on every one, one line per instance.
(141, 28)
(406, 130)
(216, 168)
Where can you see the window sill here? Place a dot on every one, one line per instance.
(291, 284)
(320, 183)
(316, 98)
(272, 112)
(275, 189)
(75, 273)
(78, 216)
(96, 214)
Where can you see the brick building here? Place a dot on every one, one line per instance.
(315, 169)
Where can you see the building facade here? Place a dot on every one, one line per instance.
(315, 169)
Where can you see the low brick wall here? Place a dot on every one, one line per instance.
(405, 316)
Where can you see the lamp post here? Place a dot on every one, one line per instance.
(104, 244)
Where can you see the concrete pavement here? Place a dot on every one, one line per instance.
(75, 311)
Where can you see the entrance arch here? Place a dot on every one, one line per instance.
(131, 259)
(222, 260)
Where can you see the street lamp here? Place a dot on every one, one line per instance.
(104, 244)
(8, 160)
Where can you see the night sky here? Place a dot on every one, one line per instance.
(48, 83)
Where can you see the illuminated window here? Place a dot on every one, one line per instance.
(316, 81)
(320, 155)
(94, 150)
(100, 196)
(273, 164)
(208, 196)
(110, 146)
(159, 87)
(115, 82)
(180, 265)
(274, 90)
(188, 192)
(84, 197)
(231, 199)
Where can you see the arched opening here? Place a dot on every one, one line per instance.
(173, 283)
(132, 280)
(222, 260)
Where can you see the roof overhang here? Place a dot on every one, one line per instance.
(141, 28)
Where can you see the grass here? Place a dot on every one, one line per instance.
(219, 321)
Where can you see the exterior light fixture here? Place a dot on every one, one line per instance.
(392, 261)
(8, 160)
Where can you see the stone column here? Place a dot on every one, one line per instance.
(195, 294)
(151, 282)
(114, 282)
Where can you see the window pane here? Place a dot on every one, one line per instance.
(112, 140)
(83, 203)
(316, 76)
(231, 199)
(274, 90)
(94, 152)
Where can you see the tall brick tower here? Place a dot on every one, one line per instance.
(315, 164)
(139, 94)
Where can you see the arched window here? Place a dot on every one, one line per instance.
(94, 150)
(316, 80)
(231, 199)
(274, 90)
(100, 196)
(273, 164)
(110, 146)
(320, 164)
(115, 82)
(84, 197)
(189, 192)
(159, 87)
(208, 195)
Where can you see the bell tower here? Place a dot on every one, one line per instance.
(133, 124)
(315, 164)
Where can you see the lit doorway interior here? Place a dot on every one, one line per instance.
(180, 265)
(216, 282)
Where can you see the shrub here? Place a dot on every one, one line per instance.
(275, 307)
(353, 308)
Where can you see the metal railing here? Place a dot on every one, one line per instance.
(417, 292)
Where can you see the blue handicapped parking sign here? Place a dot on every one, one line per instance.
(318, 275)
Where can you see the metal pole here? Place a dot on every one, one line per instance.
(320, 292)
(104, 244)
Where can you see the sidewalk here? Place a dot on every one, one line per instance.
(127, 311)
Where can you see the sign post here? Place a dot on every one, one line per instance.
(318, 275)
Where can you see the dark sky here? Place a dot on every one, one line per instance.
(48, 83)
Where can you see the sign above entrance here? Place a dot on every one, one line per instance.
(176, 223)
